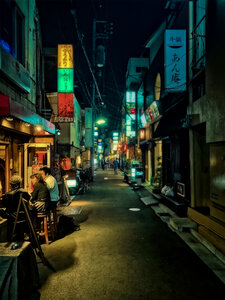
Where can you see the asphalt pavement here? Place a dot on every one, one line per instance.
(123, 254)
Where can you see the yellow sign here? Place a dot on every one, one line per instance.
(65, 56)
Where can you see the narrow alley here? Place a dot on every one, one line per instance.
(123, 254)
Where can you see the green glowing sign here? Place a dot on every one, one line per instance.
(65, 80)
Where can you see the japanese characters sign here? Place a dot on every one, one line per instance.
(130, 113)
(65, 107)
(65, 84)
(175, 60)
(150, 114)
(65, 56)
(65, 80)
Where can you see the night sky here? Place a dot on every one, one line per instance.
(133, 23)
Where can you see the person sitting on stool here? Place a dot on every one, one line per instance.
(40, 201)
(10, 202)
(52, 185)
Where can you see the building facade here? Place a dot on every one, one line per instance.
(21, 93)
(206, 107)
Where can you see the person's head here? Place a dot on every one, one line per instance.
(45, 171)
(37, 178)
(15, 182)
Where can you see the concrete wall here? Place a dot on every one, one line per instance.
(211, 107)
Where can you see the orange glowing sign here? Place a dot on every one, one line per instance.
(142, 134)
(65, 56)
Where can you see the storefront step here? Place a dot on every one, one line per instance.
(182, 224)
(209, 223)
(210, 241)
(179, 208)
(149, 200)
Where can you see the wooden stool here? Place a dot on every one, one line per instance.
(55, 218)
(47, 225)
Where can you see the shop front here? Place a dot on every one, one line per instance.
(26, 140)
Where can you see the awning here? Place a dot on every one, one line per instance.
(171, 122)
(9, 107)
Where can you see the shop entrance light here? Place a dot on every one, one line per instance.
(38, 128)
(10, 119)
(58, 132)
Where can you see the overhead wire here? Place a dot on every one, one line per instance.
(73, 12)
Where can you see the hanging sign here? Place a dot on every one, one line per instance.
(175, 60)
(65, 80)
(65, 107)
(65, 56)
(88, 127)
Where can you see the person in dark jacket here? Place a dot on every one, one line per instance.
(10, 202)
(40, 201)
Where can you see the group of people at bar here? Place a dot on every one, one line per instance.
(43, 198)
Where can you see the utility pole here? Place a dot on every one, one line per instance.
(93, 61)
(101, 32)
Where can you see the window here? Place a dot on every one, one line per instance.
(141, 69)
(199, 35)
(12, 30)
(6, 40)
(19, 36)
(198, 49)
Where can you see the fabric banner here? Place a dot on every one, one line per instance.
(175, 60)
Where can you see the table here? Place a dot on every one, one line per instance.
(19, 278)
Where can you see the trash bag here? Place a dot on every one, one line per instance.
(67, 224)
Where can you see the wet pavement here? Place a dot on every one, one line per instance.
(123, 254)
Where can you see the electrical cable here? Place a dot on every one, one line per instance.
(86, 56)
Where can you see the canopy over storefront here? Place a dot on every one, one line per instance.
(11, 108)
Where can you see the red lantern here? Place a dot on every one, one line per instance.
(65, 163)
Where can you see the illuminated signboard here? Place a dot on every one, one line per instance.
(142, 134)
(65, 80)
(65, 107)
(150, 113)
(148, 119)
(65, 83)
(115, 141)
(143, 120)
(130, 97)
(65, 56)
(131, 113)
(154, 109)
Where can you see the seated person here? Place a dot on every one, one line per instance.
(10, 202)
(40, 197)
